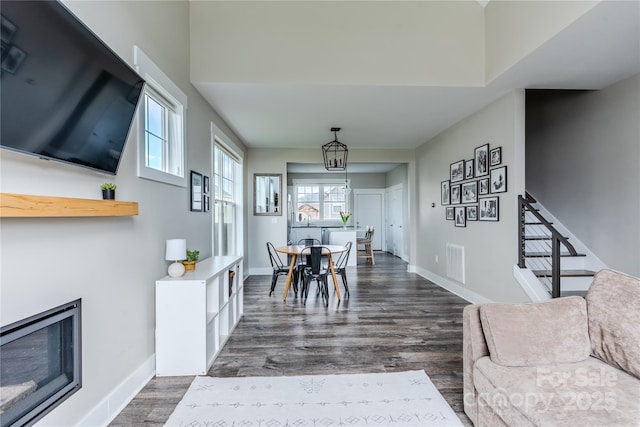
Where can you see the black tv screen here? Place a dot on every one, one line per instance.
(65, 95)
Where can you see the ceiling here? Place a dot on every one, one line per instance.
(600, 48)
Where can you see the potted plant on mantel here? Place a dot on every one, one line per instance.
(108, 191)
(192, 258)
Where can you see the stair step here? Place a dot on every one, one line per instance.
(565, 273)
(548, 254)
(537, 237)
(535, 223)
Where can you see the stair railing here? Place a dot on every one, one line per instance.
(524, 206)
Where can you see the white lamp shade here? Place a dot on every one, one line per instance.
(176, 250)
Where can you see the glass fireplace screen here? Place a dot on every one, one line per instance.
(40, 360)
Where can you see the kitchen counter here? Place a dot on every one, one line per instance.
(340, 236)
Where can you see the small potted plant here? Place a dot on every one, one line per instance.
(108, 191)
(192, 258)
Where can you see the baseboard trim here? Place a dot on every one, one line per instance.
(105, 411)
(260, 271)
(452, 287)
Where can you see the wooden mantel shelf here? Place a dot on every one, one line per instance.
(28, 206)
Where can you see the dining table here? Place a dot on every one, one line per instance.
(294, 252)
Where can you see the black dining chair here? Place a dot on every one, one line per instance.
(340, 266)
(315, 271)
(279, 269)
(305, 261)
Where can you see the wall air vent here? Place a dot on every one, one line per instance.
(455, 262)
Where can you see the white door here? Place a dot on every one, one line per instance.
(395, 221)
(369, 211)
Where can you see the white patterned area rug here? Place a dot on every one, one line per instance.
(386, 399)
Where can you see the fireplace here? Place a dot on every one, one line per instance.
(40, 364)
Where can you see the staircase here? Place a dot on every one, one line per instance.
(548, 253)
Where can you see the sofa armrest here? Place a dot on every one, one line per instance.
(474, 346)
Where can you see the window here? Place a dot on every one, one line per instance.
(319, 200)
(162, 118)
(225, 205)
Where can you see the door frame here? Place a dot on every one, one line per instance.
(398, 187)
(381, 193)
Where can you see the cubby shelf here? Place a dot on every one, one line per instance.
(195, 314)
(29, 206)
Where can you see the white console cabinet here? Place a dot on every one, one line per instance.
(195, 315)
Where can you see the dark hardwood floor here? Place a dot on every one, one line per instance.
(393, 321)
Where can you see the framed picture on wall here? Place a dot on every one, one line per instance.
(457, 171)
(460, 216)
(489, 209)
(455, 194)
(498, 180)
(468, 169)
(496, 156)
(196, 191)
(481, 159)
(472, 213)
(470, 192)
(449, 213)
(445, 193)
(483, 186)
(206, 185)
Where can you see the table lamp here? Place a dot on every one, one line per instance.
(176, 251)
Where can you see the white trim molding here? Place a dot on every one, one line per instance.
(447, 284)
(105, 411)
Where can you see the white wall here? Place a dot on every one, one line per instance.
(583, 150)
(514, 29)
(111, 263)
(490, 247)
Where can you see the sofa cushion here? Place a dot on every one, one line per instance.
(587, 394)
(537, 333)
(613, 306)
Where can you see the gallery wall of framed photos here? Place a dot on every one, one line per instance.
(472, 191)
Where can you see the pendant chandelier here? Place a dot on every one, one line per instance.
(335, 153)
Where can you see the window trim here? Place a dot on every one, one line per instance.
(160, 83)
(237, 202)
(319, 182)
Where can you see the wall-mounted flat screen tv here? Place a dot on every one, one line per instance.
(65, 95)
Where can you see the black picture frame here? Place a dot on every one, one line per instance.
(445, 193)
(481, 160)
(205, 188)
(483, 186)
(455, 194)
(206, 205)
(460, 219)
(472, 213)
(449, 213)
(468, 169)
(489, 209)
(469, 192)
(498, 180)
(196, 192)
(495, 156)
(457, 171)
